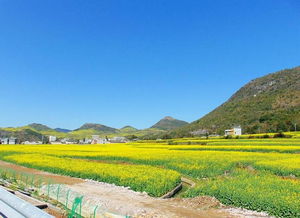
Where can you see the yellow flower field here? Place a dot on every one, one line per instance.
(156, 167)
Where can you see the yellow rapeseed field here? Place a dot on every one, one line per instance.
(234, 171)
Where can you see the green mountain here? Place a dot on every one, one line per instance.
(89, 129)
(267, 104)
(128, 129)
(21, 134)
(97, 127)
(31, 132)
(43, 129)
(35, 132)
(168, 123)
(39, 127)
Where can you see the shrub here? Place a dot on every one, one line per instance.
(172, 143)
(279, 135)
(228, 137)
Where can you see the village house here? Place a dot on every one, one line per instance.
(8, 141)
(85, 141)
(68, 141)
(52, 138)
(118, 139)
(200, 132)
(97, 140)
(32, 143)
(237, 130)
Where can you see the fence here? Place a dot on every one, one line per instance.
(70, 200)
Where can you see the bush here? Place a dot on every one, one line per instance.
(228, 137)
(172, 143)
(279, 135)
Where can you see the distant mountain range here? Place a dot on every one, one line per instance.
(35, 131)
(267, 104)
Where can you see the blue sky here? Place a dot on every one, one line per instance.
(120, 62)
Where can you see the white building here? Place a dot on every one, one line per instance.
(57, 143)
(85, 141)
(118, 139)
(237, 130)
(32, 143)
(8, 141)
(52, 138)
(200, 132)
(97, 140)
(67, 141)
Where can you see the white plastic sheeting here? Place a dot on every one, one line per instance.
(12, 206)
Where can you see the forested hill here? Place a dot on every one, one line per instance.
(267, 104)
(168, 123)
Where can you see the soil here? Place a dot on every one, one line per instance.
(122, 200)
(56, 178)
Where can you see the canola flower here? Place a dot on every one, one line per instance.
(154, 181)
(235, 171)
(255, 191)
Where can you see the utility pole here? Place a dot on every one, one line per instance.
(295, 127)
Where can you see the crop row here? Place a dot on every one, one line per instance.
(195, 163)
(154, 181)
(255, 191)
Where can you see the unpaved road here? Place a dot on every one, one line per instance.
(121, 200)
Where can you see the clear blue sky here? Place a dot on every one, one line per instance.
(132, 62)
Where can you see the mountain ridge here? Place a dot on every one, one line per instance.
(168, 123)
(84, 131)
(98, 127)
(270, 103)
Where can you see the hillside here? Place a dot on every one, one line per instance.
(35, 131)
(89, 129)
(21, 134)
(168, 123)
(62, 130)
(39, 127)
(97, 127)
(267, 104)
(31, 132)
(128, 129)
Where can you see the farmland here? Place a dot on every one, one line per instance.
(257, 174)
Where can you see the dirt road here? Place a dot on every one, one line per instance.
(123, 201)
